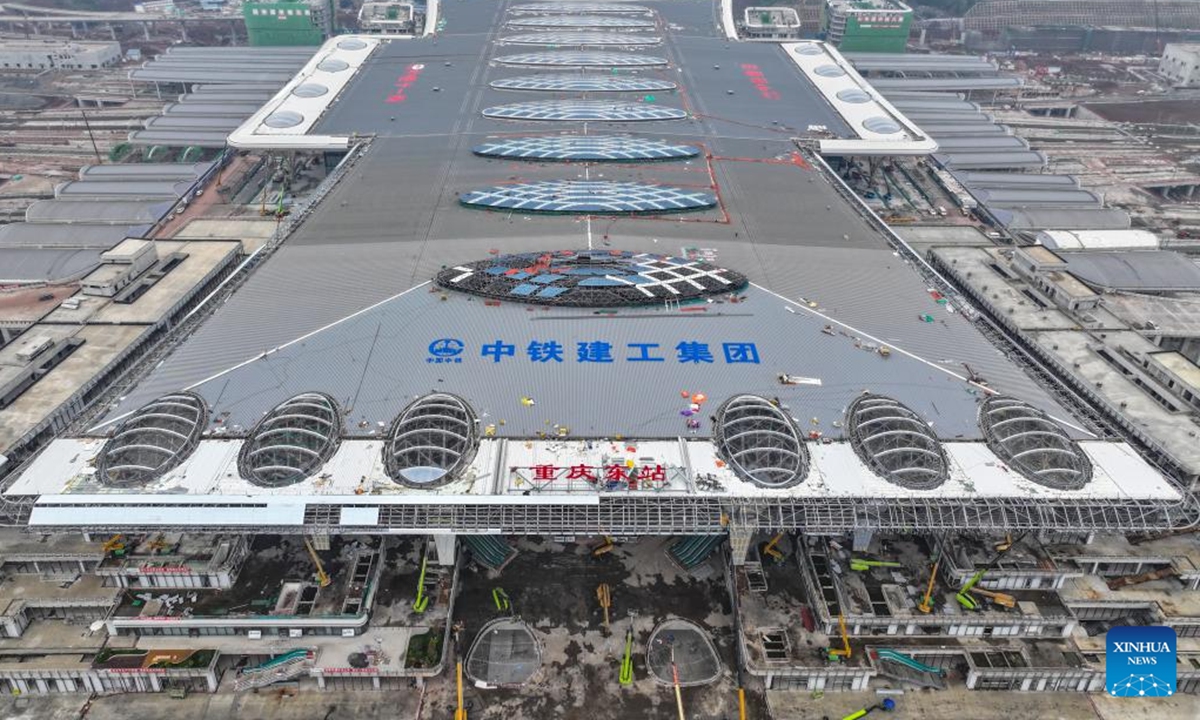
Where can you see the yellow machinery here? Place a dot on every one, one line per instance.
(603, 548)
(115, 545)
(604, 596)
(158, 544)
(460, 713)
(322, 576)
(844, 650)
(1006, 545)
(863, 565)
(999, 598)
(926, 604)
(771, 551)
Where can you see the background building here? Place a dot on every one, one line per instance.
(58, 54)
(1181, 63)
(867, 25)
(288, 23)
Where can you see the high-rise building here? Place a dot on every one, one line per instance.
(288, 22)
(867, 25)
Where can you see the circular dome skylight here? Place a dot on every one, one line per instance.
(152, 441)
(881, 125)
(431, 441)
(333, 65)
(853, 95)
(1031, 443)
(896, 443)
(351, 44)
(309, 90)
(809, 49)
(760, 442)
(292, 441)
(283, 119)
(829, 71)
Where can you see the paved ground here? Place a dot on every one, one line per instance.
(958, 703)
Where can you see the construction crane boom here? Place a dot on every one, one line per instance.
(323, 579)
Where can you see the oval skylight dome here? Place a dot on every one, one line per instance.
(896, 443)
(351, 44)
(829, 71)
(153, 440)
(431, 441)
(333, 65)
(283, 119)
(310, 90)
(292, 441)
(1031, 443)
(881, 125)
(853, 95)
(809, 49)
(760, 442)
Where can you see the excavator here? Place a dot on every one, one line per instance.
(968, 601)
(323, 579)
(769, 549)
(863, 565)
(115, 546)
(844, 651)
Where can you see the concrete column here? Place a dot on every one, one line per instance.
(375, 681)
(22, 685)
(42, 688)
(1026, 684)
(739, 542)
(211, 679)
(146, 30)
(155, 683)
(444, 544)
(321, 682)
(862, 540)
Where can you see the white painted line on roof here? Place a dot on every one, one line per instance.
(274, 350)
(906, 353)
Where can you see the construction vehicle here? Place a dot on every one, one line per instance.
(501, 599)
(887, 705)
(604, 547)
(321, 576)
(964, 596)
(1001, 599)
(604, 597)
(863, 565)
(626, 676)
(115, 546)
(1005, 544)
(768, 549)
(422, 601)
(926, 604)
(158, 544)
(844, 651)
(1117, 583)
(460, 712)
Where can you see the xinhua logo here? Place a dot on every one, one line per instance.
(1140, 662)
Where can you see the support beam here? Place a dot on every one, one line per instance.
(444, 543)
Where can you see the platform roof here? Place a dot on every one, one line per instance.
(1063, 219)
(145, 171)
(22, 265)
(111, 212)
(67, 236)
(886, 85)
(995, 160)
(1136, 270)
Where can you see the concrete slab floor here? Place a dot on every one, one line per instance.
(957, 703)
(308, 705)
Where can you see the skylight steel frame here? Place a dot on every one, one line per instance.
(571, 82)
(438, 430)
(168, 427)
(896, 443)
(592, 148)
(765, 448)
(1009, 427)
(292, 441)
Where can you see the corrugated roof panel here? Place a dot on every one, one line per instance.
(115, 212)
(145, 171)
(78, 235)
(992, 160)
(45, 265)
(1135, 270)
(179, 138)
(1062, 219)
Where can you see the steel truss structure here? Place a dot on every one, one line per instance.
(694, 515)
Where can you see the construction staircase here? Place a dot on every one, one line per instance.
(490, 550)
(691, 550)
(287, 666)
(906, 669)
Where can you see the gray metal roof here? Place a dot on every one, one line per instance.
(1136, 270)
(113, 212)
(980, 179)
(204, 123)
(985, 143)
(270, 88)
(241, 110)
(894, 62)
(957, 118)
(67, 236)
(939, 130)
(123, 189)
(242, 52)
(145, 171)
(45, 265)
(179, 138)
(948, 104)
(992, 160)
(173, 75)
(894, 95)
(1062, 219)
(1016, 197)
(232, 96)
(971, 83)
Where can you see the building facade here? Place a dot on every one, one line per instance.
(1180, 64)
(58, 55)
(288, 23)
(867, 25)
